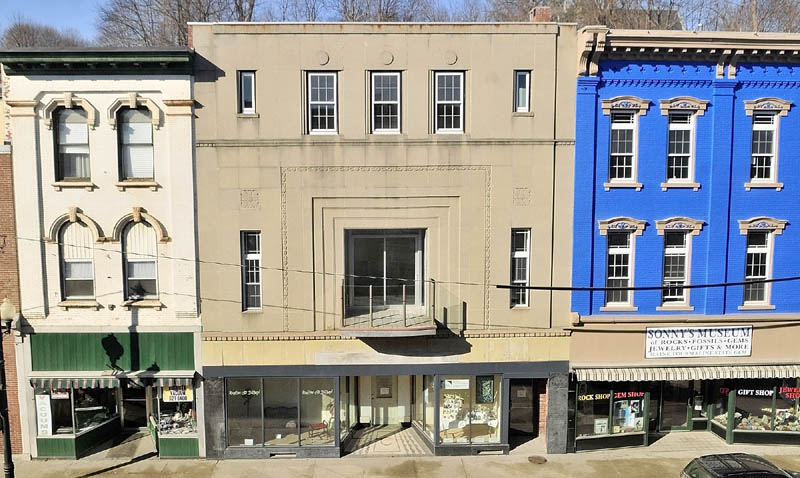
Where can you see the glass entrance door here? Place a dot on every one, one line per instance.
(676, 401)
(134, 407)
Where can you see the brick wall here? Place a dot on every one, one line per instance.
(9, 286)
(542, 391)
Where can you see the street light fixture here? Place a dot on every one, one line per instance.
(7, 314)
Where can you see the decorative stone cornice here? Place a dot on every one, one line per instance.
(773, 105)
(134, 101)
(625, 103)
(686, 103)
(179, 107)
(679, 223)
(621, 223)
(762, 223)
(138, 214)
(68, 101)
(74, 215)
(97, 61)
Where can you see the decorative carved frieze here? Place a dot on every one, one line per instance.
(639, 105)
(762, 223)
(621, 223)
(685, 103)
(679, 223)
(775, 105)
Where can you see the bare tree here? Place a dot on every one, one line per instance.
(23, 33)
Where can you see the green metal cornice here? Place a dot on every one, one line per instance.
(97, 61)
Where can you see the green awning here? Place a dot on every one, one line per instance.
(159, 381)
(95, 382)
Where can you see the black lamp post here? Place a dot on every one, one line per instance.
(7, 313)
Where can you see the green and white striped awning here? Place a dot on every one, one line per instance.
(651, 374)
(159, 381)
(95, 382)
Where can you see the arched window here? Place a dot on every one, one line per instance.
(77, 269)
(140, 261)
(136, 143)
(72, 145)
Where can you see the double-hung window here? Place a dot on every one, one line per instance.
(140, 255)
(757, 267)
(72, 145)
(136, 143)
(522, 91)
(247, 92)
(679, 152)
(619, 263)
(520, 266)
(77, 270)
(622, 151)
(322, 98)
(676, 254)
(762, 159)
(385, 102)
(251, 269)
(449, 101)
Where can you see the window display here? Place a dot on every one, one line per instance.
(754, 406)
(628, 414)
(243, 409)
(280, 411)
(54, 411)
(485, 413)
(469, 409)
(317, 411)
(176, 411)
(593, 405)
(454, 410)
(93, 407)
(787, 414)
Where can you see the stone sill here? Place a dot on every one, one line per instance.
(765, 185)
(757, 307)
(248, 115)
(121, 185)
(632, 184)
(677, 308)
(59, 185)
(522, 114)
(619, 308)
(143, 304)
(79, 304)
(669, 185)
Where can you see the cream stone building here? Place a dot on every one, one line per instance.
(362, 189)
(108, 335)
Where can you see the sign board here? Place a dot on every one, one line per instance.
(59, 394)
(182, 393)
(44, 420)
(673, 342)
(456, 384)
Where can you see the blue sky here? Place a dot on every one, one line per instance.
(77, 14)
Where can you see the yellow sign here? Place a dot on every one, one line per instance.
(181, 393)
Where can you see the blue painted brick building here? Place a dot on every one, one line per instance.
(686, 173)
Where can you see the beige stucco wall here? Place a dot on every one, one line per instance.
(303, 191)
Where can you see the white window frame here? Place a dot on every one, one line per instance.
(65, 261)
(773, 169)
(251, 256)
(634, 127)
(122, 145)
(335, 102)
(240, 91)
(629, 251)
(437, 102)
(373, 102)
(767, 249)
(526, 255)
(690, 126)
(526, 80)
(60, 176)
(685, 251)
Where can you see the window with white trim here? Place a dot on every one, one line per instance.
(449, 101)
(77, 265)
(522, 91)
(247, 92)
(622, 159)
(757, 267)
(140, 261)
(385, 102)
(72, 145)
(675, 270)
(762, 159)
(520, 266)
(680, 149)
(619, 264)
(322, 105)
(251, 269)
(136, 143)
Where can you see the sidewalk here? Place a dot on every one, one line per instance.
(665, 458)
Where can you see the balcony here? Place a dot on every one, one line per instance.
(389, 310)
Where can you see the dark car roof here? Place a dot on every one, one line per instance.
(739, 464)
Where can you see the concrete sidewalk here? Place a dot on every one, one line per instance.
(665, 458)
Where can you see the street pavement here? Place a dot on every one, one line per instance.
(664, 458)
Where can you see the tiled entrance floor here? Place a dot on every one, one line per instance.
(386, 440)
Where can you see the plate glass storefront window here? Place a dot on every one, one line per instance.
(719, 401)
(176, 410)
(352, 401)
(485, 414)
(428, 398)
(593, 400)
(317, 411)
(603, 409)
(418, 403)
(344, 392)
(469, 409)
(280, 411)
(754, 405)
(93, 407)
(787, 412)
(243, 408)
(54, 411)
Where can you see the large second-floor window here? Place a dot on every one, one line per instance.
(762, 159)
(757, 267)
(679, 153)
(622, 147)
(619, 263)
(675, 267)
(72, 145)
(385, 102)
(136, 144)
(140, 256)
(520, 265)
(322, 105)
(77, 269)
(449, 99)
(251, 269)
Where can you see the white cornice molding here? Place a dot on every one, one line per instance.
(762, 223)
(134, 101)
(139, 215)
(679, 223)
(622, 223)
(689, 103)
(74, 215)
(770, 104)
(639, 105)
(68, 101)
